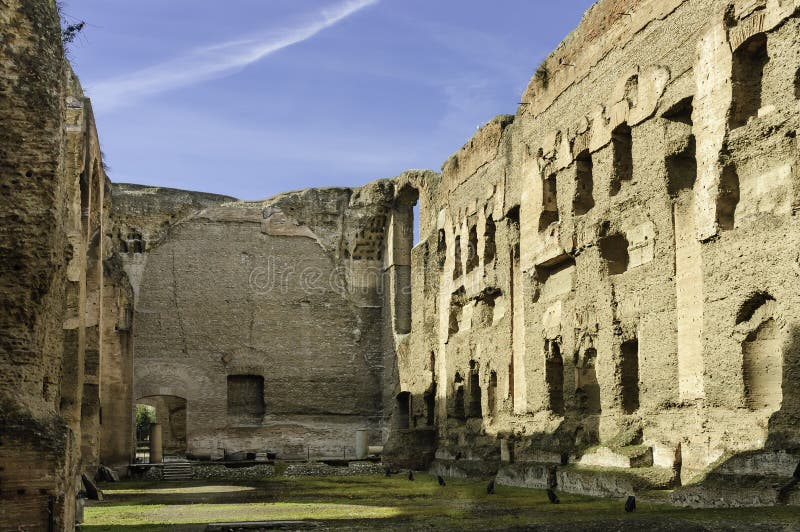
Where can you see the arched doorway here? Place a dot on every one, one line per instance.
(170, 412)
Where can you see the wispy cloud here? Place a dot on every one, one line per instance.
(216, 60)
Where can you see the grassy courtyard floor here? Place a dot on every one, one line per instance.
(375, 502)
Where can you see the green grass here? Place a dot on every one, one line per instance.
(372, 502)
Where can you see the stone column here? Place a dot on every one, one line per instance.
(361, 444)
(156, 449)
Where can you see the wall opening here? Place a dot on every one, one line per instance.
(554, 376)
(584, 184)
(681, 170)
(134, 242)
(474, 408)
(681, 111)
(170, 412)
(762, 367)
(489, 245)
(629, 374)
(491, 393)
(403, 411)
(457, 256)
(457, 301)
(614, 251)
(549, 203)
(472, 249)
(145, 415)
(587, 389)
(430, 406)
(728, 198)
(456, 410)
(85, 190)
(441, 248)
(246, 398)
(622, 148)
(405, 233)
(749, 61)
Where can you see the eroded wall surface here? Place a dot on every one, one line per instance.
(609, 277)
(265, 317)
(606, 278)
(52, 291)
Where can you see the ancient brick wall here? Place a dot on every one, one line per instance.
(265, 317)
(614, 265)
(53, 244)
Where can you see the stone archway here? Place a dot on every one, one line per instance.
(170, 412)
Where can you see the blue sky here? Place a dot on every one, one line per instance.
(254, 97)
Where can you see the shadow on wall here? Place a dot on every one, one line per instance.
(784, 424)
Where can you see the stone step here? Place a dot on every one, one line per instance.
(177, 470)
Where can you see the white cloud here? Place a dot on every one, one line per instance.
(216, 60)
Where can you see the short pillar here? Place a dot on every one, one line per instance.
(361, 444)
(156, 450)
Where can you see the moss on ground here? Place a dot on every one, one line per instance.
(372, 502)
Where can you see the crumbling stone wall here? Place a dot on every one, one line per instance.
(609, 276)
(53, 245)
(265, 317)
(606, 278)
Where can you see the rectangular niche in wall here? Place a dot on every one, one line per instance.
(587, 388)
(402, 420)
(457, 302)
(430, 406)
(614, 250)
(246, 398)
(681, 170)
(549, 203)
(474, 408)
(457, 257)
(455, 402)
(728, 197)
(489, 246)
(629, 374)
(762, 367)
(554, 375)
(584, 184)
(472, 249)
(749, 61)
(441, 248)
(492, 393)
(622, 148)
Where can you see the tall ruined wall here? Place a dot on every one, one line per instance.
(616, 264)
(264, 317)
(52, 241)
(33, 207)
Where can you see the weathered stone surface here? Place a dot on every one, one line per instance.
(263, 318)
(608, 277)
(615, 265)
(53, 221)
(220, 472)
